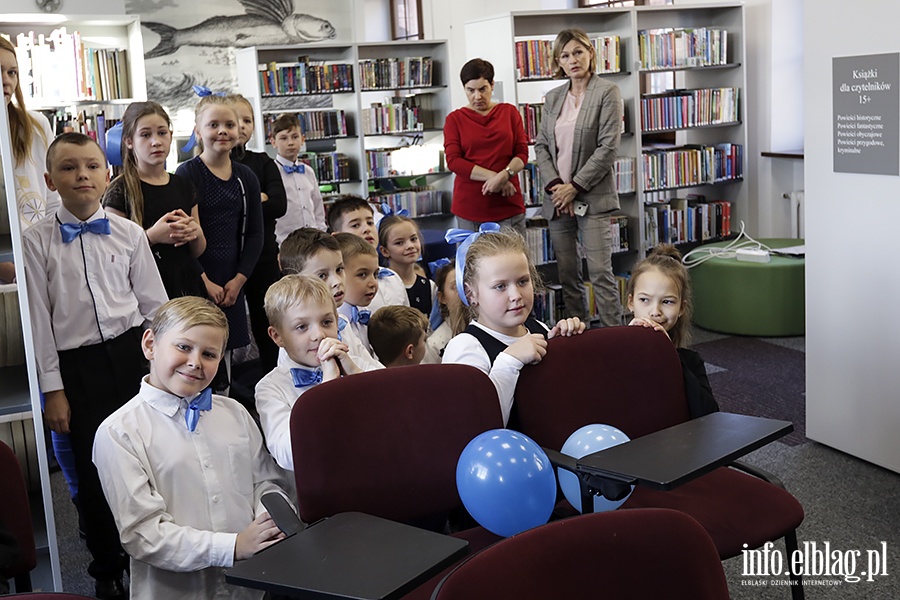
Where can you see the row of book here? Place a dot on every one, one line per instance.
(669, 48)
(305, 77)
(540, 249)
(549, 305)
(397, 115)
(420, 201)
(330, 167)
(683, 220)
(691, 165)
(315, 124)
(532, 184)
(534, 57)
(59, 66)
(678, 109)
(395, 73)
(405, 161)
(625, 174)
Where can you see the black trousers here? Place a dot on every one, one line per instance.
(264, 274)
(98, 379)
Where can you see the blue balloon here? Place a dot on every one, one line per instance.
(587, 440)
(506, 482)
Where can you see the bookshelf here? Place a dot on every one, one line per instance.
(88, 94)
(378, 114)
(81, 72)
(684, 135)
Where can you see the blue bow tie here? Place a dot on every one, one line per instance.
(341, 324)
(298, 168)
(382, 273)
(192, 414)
(70, 231)
(359, 316)
(306, 377)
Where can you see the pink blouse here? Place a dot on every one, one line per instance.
(565, 137)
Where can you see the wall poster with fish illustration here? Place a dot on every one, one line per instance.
(192, 43)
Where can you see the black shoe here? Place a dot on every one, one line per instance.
(110, 589)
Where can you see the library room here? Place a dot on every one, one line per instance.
(565, 324)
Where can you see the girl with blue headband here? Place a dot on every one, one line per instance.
(496, 282)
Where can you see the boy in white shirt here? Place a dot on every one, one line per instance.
(184, 470)
(312, 252)
(353, 214)
(303, 321)
(92, 284)
(361, 276)
(304, 201)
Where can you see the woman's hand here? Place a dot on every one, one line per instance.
(508, 190)
(562, 195)
(495, 184)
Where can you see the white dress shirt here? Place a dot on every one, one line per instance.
(304, 201)
(391, 291)
(359, 330)
(93, 289)
(275, 397)
(436, 342)
(179, 497)
(465, 349)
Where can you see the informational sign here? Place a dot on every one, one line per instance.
(866, 94)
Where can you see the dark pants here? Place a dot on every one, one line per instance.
(98, 379)
(264, 274)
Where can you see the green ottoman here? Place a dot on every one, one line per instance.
(747, 298)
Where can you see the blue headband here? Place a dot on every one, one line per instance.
(201, 91)
(464, 238)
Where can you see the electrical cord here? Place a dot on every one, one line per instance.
(702, 254)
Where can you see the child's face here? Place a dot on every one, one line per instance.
(245, 121)
(503, 293)
(360, 222)
(80, 176)
(217, 127)
(361, 273)
(287, 142)
(403, 245)
(328, 265)
(151, 141)
(10, 68)
(183, 362)
(656, 298)
(302, 327)
(447, 295)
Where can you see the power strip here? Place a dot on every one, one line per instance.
(752, 255)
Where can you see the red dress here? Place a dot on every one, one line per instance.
(489, 141)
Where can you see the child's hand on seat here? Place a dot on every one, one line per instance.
(642, 322)
(260, 534)
(567, 328)
(529, 349)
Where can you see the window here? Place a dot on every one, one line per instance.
(406, 19)
(615, 3)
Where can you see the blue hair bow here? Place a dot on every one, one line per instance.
(201, 91)
(387, 211)
(434, 265)
(464, 238)
(114, 145)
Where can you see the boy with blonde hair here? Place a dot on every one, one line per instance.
(185, 470)
(303, 321)
(92, 284)
(397, 334)
(361, 276)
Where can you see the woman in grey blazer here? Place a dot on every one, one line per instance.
(576, 151)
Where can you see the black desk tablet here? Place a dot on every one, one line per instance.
(349, 556)
(670, 457)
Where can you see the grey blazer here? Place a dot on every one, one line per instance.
(597, 133)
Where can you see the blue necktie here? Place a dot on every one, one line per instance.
(382, 273)
(192, 414)
(359, 316)
(70, 231)
(306, 377)
(298, 168)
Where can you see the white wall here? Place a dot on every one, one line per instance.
(852, 279)
(69, 7)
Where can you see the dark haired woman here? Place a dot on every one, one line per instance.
(485, 146)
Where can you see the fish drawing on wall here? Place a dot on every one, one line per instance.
(266, 22)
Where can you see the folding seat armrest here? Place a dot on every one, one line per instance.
(591, 484)
(757, 472)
